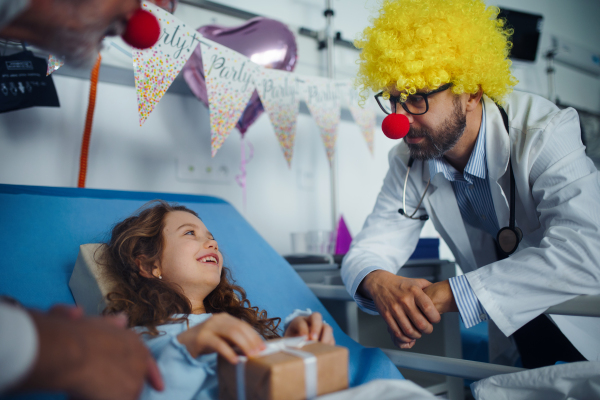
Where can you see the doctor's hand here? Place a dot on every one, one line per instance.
(406, 309)
(442, 297)
(220, 334)
(312, 327)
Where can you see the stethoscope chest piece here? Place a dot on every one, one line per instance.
(508, 239)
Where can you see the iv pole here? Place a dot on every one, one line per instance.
(331, 75)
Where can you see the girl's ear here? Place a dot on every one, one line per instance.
(146, 268)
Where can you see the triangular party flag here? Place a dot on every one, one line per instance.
(343, 237)
(366, 119)
(156, 68)
(278, 91)
(364, 116)
(322, 100)
(229, 78)
(345, 92)
(53, 64)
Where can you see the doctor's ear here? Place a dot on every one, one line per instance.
(474, 100)
(147, 268)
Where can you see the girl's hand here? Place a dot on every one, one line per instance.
(220, 333)
(313, 327)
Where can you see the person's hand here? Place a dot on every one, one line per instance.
(312, 327)
(221, 333)
(90, 358)
(441, 295)
(72, 29)
(406, 309)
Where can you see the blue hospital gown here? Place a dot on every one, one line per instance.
(185, 377)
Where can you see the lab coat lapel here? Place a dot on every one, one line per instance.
(497, 148)
(444, 210)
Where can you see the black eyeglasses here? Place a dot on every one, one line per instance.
(415, 104)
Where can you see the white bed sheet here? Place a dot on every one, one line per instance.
(382, 389)
(574, 381)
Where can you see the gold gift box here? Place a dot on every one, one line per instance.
(280, 376)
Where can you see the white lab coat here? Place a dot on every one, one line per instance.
(557, 208)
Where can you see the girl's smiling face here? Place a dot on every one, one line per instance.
(190, 257)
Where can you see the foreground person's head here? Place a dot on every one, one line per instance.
(167, 263)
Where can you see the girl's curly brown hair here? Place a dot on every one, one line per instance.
(150, 302)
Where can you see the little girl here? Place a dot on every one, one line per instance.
(175, 290)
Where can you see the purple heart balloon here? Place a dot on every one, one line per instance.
(266, 42)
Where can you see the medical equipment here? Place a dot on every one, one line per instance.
(402, 211)
(509, 237)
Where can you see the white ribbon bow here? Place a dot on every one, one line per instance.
(286, 345)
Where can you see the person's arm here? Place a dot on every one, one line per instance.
(564, 258)
(384, 244)
(187, 360)
(220, 334)
(88, 358)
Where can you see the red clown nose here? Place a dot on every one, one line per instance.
(143, 30)
(395, 126)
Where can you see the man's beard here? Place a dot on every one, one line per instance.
(434, 145)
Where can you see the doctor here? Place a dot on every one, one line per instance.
(444, 65)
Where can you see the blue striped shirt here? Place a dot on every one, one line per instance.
(474, 198)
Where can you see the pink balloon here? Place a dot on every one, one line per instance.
(265, 41)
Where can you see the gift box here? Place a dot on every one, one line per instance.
(288, 369)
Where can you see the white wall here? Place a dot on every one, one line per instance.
(41, 146)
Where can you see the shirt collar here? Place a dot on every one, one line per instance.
(476, 166)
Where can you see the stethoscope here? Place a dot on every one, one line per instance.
(509, 237)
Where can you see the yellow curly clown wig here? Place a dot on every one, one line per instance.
(417, 44)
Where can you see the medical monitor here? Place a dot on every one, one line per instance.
(528, 29)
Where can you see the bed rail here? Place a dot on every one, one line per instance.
(447, 366)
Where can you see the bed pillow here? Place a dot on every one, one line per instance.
(90, 283)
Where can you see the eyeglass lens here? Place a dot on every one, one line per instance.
(414, 104)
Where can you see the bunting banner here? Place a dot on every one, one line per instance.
(322, 99)
(53, 64)
(156, 68)
(278, 91)
(230, 82)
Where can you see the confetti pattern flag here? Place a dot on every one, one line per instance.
(322, 99)
(278, 91)
(156, 68)
(230, 81)
(53, 64)
(365, 118)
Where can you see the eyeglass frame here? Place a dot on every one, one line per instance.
(404, 106)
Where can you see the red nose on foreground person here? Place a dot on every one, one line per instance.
(142, 31)
(395, 126)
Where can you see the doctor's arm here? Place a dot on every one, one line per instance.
(385, 244)
(563, 262)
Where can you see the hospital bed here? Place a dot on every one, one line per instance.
(43, 227)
